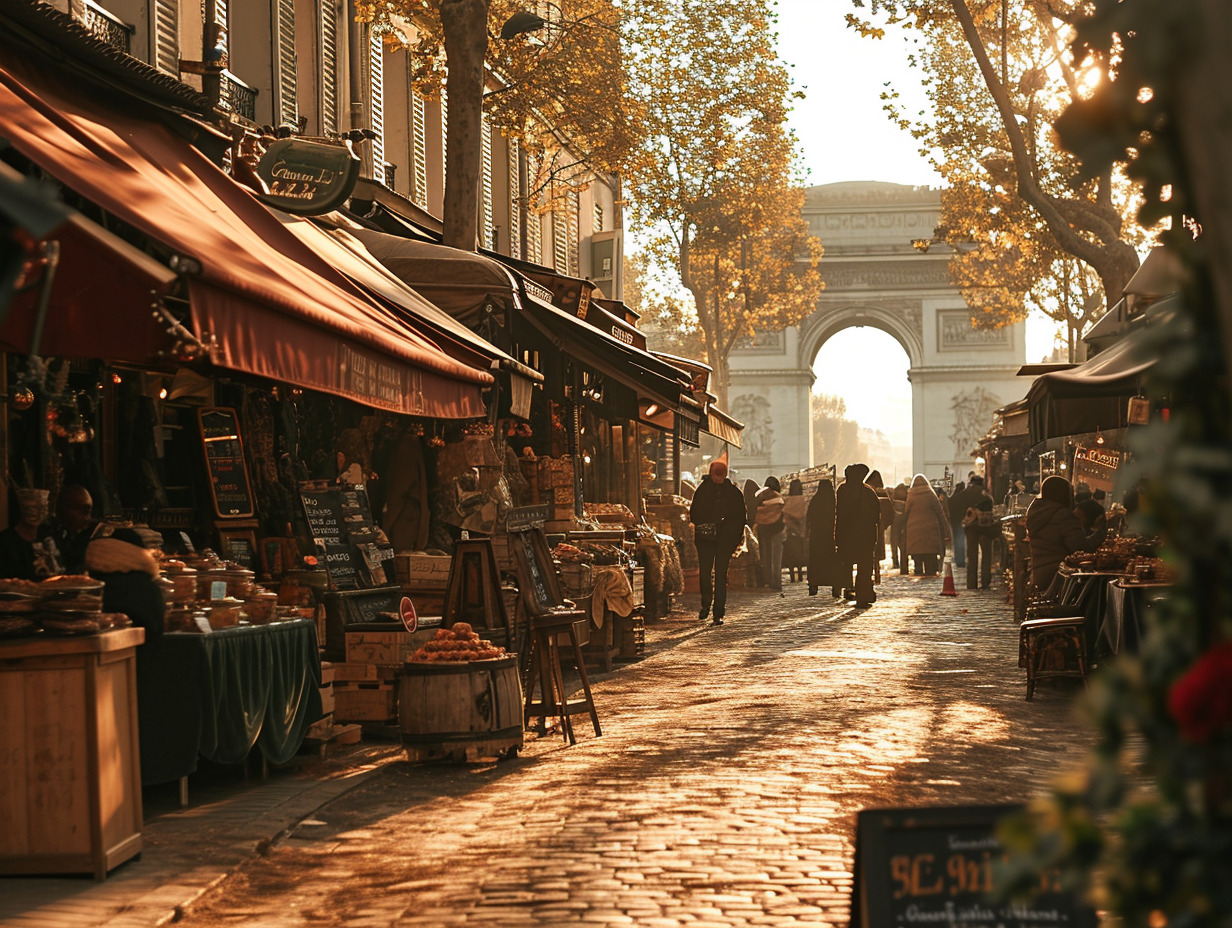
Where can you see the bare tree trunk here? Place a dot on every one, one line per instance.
(465, 25)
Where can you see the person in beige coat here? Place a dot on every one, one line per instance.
(927, 527)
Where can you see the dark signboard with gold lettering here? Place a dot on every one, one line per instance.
(308, 178)
(942, 866)
(224, 461)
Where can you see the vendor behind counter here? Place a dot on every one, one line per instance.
(129, 572)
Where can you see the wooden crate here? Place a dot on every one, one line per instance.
(422, 571)
(365, 702)
(378, 647)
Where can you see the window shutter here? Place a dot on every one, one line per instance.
(376, 103)
(223, 19)
(288, 104)
(516, 199)
(573, 221)
(534, 221)
(485, 183)
(167, 36)
(597, 220)
(329, 68)
(419, 150)
(560, 241)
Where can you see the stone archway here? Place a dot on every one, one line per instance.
(876, 277)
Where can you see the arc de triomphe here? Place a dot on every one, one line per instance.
(875, 277)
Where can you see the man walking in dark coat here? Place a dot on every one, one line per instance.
(857, 517)
(718, 515)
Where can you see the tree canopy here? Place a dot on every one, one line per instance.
(1017, 205)
(560, 86)
(713, 183)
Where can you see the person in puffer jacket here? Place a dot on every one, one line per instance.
(1054, 531)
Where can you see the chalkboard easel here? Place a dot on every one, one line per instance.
(536, 572)
(230, 491)
(942, 865)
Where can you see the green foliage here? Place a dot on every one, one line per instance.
(1159, 787)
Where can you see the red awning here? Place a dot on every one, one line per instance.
(262, 301)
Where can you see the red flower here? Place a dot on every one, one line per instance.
(1200, 702)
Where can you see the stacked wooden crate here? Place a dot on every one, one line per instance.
(365, 687)
(556, 487)
(327, 730)
(424, 578)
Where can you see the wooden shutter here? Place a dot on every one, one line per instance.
(485, 183)
(288, 104)
(516, 199)
(560, 241)
(376, 103)
(223, 19)
(597, 217)
(166, 36)
(573, 222)
(534, 221)
(419, 151)
(329, 67)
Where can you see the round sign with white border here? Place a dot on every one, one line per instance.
(410, 618)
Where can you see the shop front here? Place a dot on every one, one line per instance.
(197, 364)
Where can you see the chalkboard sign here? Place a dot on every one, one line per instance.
(940, 866)
(340, 522)
(358, 608)
(344, 563)
(224, 462)
(536, 573)
(240, 547)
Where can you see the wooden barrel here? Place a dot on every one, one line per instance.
(455, 708)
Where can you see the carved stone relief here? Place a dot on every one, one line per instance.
(764, 342)
(753, 410)
(973, 412)
(955, 333)
(851, 276)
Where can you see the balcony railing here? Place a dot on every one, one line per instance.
(104, 25)
(236, 96)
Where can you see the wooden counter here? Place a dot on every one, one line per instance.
(70, 772)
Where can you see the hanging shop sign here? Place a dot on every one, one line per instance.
(308, 178)
(1096, 468)
(224, 462)
(943, 866)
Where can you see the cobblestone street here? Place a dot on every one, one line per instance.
(722, 792)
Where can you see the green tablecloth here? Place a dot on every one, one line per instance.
(217, 695)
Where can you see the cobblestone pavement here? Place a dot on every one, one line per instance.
(722, 792)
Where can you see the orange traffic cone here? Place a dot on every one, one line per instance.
(947, 588)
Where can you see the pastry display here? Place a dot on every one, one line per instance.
(458, 643)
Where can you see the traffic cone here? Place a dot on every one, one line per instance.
(947, 588)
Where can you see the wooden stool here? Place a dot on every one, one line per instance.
(545, 633)
(1059, 638)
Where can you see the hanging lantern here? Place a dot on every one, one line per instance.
(21, 396)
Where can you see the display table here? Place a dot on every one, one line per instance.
(1085, 593)
(1124, 608)
(71, 795)
(217, 695)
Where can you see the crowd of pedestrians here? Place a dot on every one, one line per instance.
(836, 539)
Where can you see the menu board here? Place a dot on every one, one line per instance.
(340, 522)
(224, 462)
(942, 866)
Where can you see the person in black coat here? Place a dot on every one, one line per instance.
(822, 562)
(129, 573)
(857, 519)
(718, 515)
